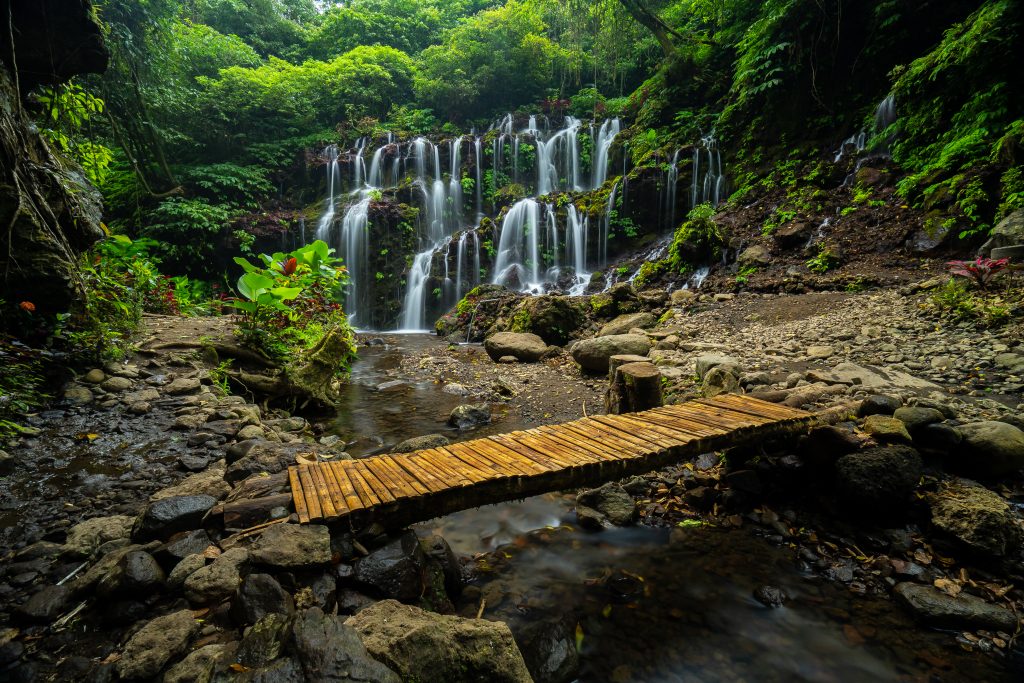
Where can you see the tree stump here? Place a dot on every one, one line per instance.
(635, 386)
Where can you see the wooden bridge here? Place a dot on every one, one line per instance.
(399, 489)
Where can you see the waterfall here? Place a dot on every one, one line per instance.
(602, 145)
(518, 259)
(455, 184)
(709, 189)
(562, 146)
(606, 226)
(414, 311)
(576, 247)
(479, 180)
(698, 277)
(376, 176)
(354, 252)
(359, 165)
(552, 240)
(671, 182)
(323, 228)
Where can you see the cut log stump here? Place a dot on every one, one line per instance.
(634, 386)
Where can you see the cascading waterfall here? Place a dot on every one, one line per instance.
(606, 225)
(671, 181)
(518, 259)
(477, 152)
(885, 116)
(602, 146)
(355, 248)
(577, 228)
(708, 188)
(414, 312)
(323, 228)
(563, 145)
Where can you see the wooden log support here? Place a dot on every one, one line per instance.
(399, 489)
(615, 396)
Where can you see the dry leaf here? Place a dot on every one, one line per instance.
(950, 588)
(922, 556)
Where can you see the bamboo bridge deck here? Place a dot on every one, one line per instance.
(409, 487)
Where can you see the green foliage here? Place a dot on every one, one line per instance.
(649, 271)
(825, 260)
(956, 300)
(67, 112)
(188, 229)
(696, 241)
(22, 384)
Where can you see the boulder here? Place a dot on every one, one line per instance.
(978, 519)
(116, 384)
(183, 385)
(209, 482)
(553, 318)
(756, 255)
(258, 596)
(198, 666)
(878, 480)
(523, 346)
(593, 354)
(155, 644)
(1007, 233)
(419, 443)
(630, 321)
(394, 570)
(77, 395)
(612, 503)
(331, 651)
(963, 612)
(136, 573)
(181, 546)
(217, 581)
(46, 605)
(264, 641)
(886, 429)
(706, 361)
(991, 449)
(425, 646)
(720, 380)
(470, 415)
(165, 517)
(916, 418)
(879, 404)
(549, 650)
(184, 569)
(292, 546)
(256, 456)
(85, 537)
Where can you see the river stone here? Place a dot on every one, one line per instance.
(181, 546)
(878, 480)
(258, 596)
(46, 605)
(217, 581)
(394, 570)
(183, 385)
(155, 644)
(259, 456)
(292, 546)
(165, 517)
(470, 415)
(916, 417)
(452, 649)
(94, 376)
(184, 569)
(549, 650)
(938, 437)
(77, 395)
(420, 443)
(720, 380)
(593, 354)
(979, 519)
(991, 449)
(137, 573)
(264, 641)
(770, 596)
(884, 428)
(611, 501)
(756, 255)
(523, 346)
(628, 322)
(706, 361)
(116, 384)
(209, 482)
(331, 651)
(198, 666)
(935, 608)
(85, 537)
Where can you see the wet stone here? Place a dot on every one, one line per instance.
(258, 596)
(770, 596)
(164, 518)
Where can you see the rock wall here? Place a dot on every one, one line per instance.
(48, 210)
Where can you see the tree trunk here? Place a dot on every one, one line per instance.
(649, 20)
(635, 385)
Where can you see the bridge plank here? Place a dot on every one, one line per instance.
(625, 449)
(522, 449)
(363, 489)
(759, 406)
(472, 473)
(442, 462)
(549, 461)
(478, 460)
(543, 444)
(297, 495)
(375, 477)
(653, 441)
(662, 433)
(571, 441)
(352, 499)
(734, 413)
(312, 502)
(676, 422)
(389, 473)
(510, 461)
(334, 491)
(441, 474)
(426, 479)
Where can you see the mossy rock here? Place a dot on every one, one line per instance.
(552, 318)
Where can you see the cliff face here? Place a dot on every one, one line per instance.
(48, 210)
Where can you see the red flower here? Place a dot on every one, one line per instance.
(27, 306)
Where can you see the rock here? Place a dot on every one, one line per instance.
(793, 234)
(217, 581)
(183, 385)
(756, 255)
(455, 650)
(593, 354)
(137, 573)
(978, 519)
(293, 546)
(886, 429)
(878, 480)
(181, 546)
(553, 318)
(198, 666)
(155, 644)
(682, 297)
(1011, 362)
(438, 550)
(991, 449)
(964, 612)
(508, 360)
(549, 650)
(523, 346)
(140, 408)
(624, 323)
(611, 501)
(209, 482)
(184, 569)
(938, 437)
(470, 415)
(820, 352)
(871, 379)
(259, 456)
(879, 404)
(46, 605)
(770, 596)
(331, 651)
(165, 517)
(916, 418)
(420, 443)
(1008, 232)
(117, 384)
(250, 432)
(94, 376)
(85, 537)
(77, 395)
(394, 570)
(706, 361)
(264, 641)
(720, 380)
(8, 463)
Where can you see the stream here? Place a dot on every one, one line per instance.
(650, 604)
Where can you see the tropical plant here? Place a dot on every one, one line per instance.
(980, 271)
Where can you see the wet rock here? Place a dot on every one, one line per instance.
(886, 429)
(720, 380)
(938, 437)
(593, 354)
(140, 408)
(979, 519)
(419, 443)
(257, 456)
(331, 651)
(182, 386)
(264, 641)
(623, 324)
(935, 608)
(209, 482)
(394, 570)
(250, 432)
(756, 255)
(991, 449)
(287, 424)
(916, 418)
(155, 644)
(165, 517)
(470, 415)
(117, 384)
(823, 445)
(770, 596)
(94, 376)
(878, 480)
(85, 537)
(613, 504)
(8, 463)
(181, 546)
(260, 595)
(705, 362)
(217, 581)
(411, 641)
(46, 605)
(136, 573)
(198, 666)
(77, 395)
(438, 550)
(292, 546)
(523, 346)
(549, 650)
(184, 569)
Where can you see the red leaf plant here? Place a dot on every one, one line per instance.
(981, 270)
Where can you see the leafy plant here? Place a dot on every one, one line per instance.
(980, 271)
(824, 261)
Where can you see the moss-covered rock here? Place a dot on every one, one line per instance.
(555, 319)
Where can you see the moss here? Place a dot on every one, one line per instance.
(603, 305)
(649, 271)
